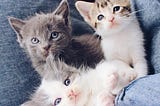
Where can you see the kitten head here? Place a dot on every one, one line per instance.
(44, 32)
(50, 93)
(106, 16)
(54, 86)
(57, 90)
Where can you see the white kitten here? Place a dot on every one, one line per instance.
(122, 38)
(97, 87)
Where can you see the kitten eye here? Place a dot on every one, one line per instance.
(55, 35)
(100, 17)
(67, 82)
(116, 8)
(57, 101)
(34, 40)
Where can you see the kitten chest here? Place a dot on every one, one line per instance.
(116, 48)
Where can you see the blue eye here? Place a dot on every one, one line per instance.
(34, 40)
(57, 101)
(116, 8)
(55, 35)
(67, 82)
(100, 17)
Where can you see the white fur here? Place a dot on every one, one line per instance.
(96, 87)
(122, 39)
(92, 85)
(126, 45)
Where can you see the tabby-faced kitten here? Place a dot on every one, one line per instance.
(51, 33)
(122, 38)
(97, 87)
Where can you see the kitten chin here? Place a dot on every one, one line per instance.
(45, 34)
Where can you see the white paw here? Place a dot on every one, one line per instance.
(112, 81)
(130, 75)
(105, 99)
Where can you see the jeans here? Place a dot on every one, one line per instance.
(142, 92)
(18, 79)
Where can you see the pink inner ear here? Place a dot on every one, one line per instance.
(84, 8)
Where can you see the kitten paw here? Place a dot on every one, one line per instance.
(112, 80)
(130, 76)
(105, 99)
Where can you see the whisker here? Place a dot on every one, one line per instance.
(134, 12)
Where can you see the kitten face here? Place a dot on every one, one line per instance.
(54, 87)
(56, 93)
(50, 93)
(44, 32)
(106, 16)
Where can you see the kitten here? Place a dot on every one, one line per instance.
(97, 87)
(62, 74)
(122, 38)
(51, 33)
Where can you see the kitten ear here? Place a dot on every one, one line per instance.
(17, 25)
(63, 10)
(84, 9)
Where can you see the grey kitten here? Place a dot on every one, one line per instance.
(51, 33)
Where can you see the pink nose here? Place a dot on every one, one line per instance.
(111, 19)
(73, 95)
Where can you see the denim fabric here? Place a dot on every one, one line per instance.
(17, 78)
(142, 92)
(149, 17)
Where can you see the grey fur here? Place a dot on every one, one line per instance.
(41, 26)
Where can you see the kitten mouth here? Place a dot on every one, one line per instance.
(46, 53)
(74, 97)
(112, 24)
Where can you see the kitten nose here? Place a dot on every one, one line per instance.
(73, 95)
(46, 47)
(111, 19)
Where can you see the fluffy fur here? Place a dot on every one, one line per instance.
(56, 72)
(45, 34)
(97, 87)
(122, 38)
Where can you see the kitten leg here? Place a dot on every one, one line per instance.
(106, 98)
(139, 63)
(141, 67)
(125, 75)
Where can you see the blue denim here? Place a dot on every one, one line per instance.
(142, 92)
(18, 79)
